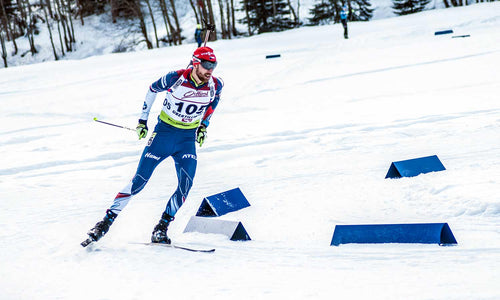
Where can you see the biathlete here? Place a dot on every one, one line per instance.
(191, 98)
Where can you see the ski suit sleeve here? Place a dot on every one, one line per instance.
(211, 107)
(161, 85)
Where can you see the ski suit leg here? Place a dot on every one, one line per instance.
(185, 165)
(344, 24)
(154, 153)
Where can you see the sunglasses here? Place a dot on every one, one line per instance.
(208, 64)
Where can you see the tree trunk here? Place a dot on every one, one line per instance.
(222, 24)
(58, 20)
(154, 23)
(138, 12)
(247, 16)
(80, 5)
(5, 21)
(204, 11)
(295, 19)
(64, 24)
(24, 18)
(114, 10)
(298, 11)
(212, 37)
(233, 19)
(8, 27)
(195, 12)
(164, 14)
(171, 35)
(44, 7)
(228, 14)
(4, 50)
(71, 29)
(49, 6)
(177, 25)
(31, 25)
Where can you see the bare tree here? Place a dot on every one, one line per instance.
(171, 37)
(203, 9)
(24, 17)
(31, 28)
(228, 14)
(195, 11)
(154, 23)
(212, 37)
(233, 19)
(222, 23)
(62, 17)
(295, 18)
(7, 26)
(4, 50)
(247, 7)
(58, 20)
(71, 29)
(176, 20)
(44, 8)
(136, 7)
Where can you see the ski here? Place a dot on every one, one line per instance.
(87, 242)
(174, 246)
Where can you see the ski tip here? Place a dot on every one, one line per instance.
(86, 242)
(95, 118)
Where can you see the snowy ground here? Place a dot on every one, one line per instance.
(307, 137)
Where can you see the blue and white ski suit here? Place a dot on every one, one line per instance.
(185, 107)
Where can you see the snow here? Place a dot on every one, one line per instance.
(307, 137)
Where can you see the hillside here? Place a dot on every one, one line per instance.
(99, 35)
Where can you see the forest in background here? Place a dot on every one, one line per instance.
(158, 22)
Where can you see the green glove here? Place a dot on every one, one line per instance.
(201, 134)
(142, 129)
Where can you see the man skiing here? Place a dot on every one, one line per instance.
(191, 98)
(197, 35)
(344, 15)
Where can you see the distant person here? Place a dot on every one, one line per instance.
(192, 95)
(344, 14)
(197, 35)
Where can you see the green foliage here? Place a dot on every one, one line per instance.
(322, 13)
(327, 11)
(406, 7)
(263, 16)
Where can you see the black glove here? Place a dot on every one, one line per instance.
(201, 134)
(142, 128)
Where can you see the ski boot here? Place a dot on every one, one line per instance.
(100, 228)
(159, 234)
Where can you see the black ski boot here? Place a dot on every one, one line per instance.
(100, 228)
(159, 234)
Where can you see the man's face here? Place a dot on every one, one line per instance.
(202, 73)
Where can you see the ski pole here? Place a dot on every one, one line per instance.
(209, 28)
(119, 126)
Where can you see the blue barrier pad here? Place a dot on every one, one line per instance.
(443, 32)
(414, 167)
(222, 203)
(273, 56)
(422, 233)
